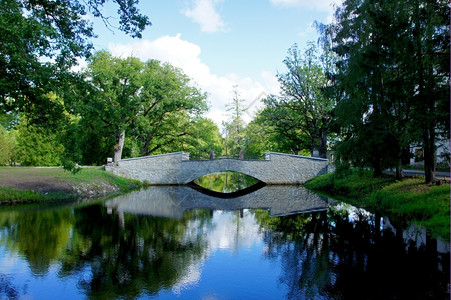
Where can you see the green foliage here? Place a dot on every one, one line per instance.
(8, 144)
(36, 31)
(411, 199)
(150, 103)
(203, 136)
(393, 73)
(357, 185)
(10, 194)
(37, 146)
(303, 110)
(260, 136)
(279, 123)
(234, 127)
(41, 41)
(257, 139)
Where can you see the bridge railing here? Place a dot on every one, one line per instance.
(265, 156)
(246, 157)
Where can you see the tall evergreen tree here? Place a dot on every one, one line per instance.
(234, 128)
(429, 65)
(388, 51)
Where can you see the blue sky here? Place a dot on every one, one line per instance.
(222, 43)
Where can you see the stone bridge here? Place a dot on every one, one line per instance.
(177, 168)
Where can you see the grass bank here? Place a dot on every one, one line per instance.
(409, 200)
(36, 184)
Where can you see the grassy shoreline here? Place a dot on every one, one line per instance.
(23, 185)
(409, 200)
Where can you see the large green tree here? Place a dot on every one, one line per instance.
(394, 75)
(429, 64)
(41, 40)
(304, 105)
(279, 130)
(149, 101)
(202, 136)
(170, 105)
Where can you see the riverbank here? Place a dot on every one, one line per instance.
(409, 200)
(39, 184)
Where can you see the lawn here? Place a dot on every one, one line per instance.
(409, 200)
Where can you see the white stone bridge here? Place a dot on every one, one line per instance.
(177, 168)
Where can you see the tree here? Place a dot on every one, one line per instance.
(234, 128)
(8, 144)
(202, 137)
(37, 146)
(141, 99)
(170, 104)
(257, 139)
(429, 64)
(304, 104)
(367, 114)
(280, 125)
(41, 41)
(388, 51)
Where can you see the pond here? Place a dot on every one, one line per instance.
(173, 242)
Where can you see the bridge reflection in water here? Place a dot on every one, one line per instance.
(173, 201)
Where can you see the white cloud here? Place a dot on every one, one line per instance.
(186, 55)
(204, 13)
(327, 6)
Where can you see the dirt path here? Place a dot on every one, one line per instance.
(32, 179)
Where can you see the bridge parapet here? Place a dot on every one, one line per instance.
(177, 168)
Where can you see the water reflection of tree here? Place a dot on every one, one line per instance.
(7, 289)
(335, 256)
(39, 236)
(146, 255)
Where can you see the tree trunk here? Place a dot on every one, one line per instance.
(145, 149)
(429, 154)
(323, 144)
(399, 171)
(377, 172)
(119, 147)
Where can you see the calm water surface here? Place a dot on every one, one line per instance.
(176, 243)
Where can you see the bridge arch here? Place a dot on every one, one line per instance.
(177, 168)
(194, 169)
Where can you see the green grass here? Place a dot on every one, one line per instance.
(358, 184)
(14, 196)
(91, 176)
(409, 200)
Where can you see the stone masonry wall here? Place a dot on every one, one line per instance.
(176, 168)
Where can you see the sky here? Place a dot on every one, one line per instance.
(220, 44)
